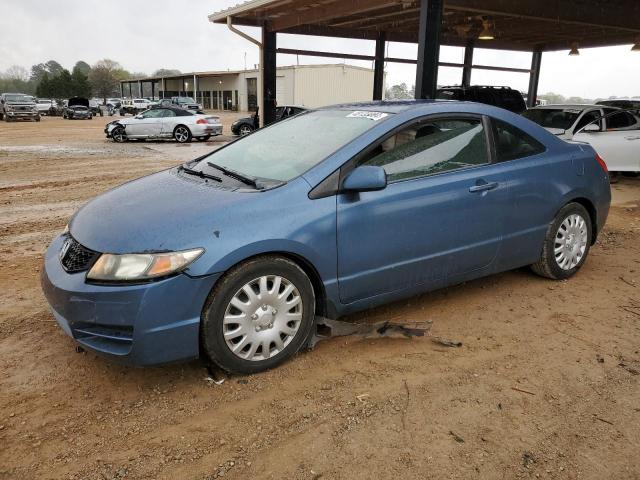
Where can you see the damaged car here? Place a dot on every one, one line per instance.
(18, 106)
(233, 256)
(164, 123)
(77, 108)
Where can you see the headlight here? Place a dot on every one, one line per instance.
(141, 266)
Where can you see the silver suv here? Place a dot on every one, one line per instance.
(14, 106)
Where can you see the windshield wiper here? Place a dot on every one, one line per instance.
(238, 176)
(198, 173)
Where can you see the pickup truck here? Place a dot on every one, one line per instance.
(134, 105)
(46, 106)
(187, 103)
(14, 106)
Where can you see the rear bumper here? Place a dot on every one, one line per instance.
(147, 324)
(198, 130)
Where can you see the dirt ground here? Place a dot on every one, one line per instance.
(545, 385)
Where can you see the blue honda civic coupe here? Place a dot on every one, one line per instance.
(233, 255)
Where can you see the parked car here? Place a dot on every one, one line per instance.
(246, 125)
(631, 104)
(187, 103)
(503, 97)
(94, 105)
(614, 133)
(77, 108)
(329, 212)
(134, 106)
(16, 106)
(170, 122)
(46, 106)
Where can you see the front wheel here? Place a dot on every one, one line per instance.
(182, 134)
(245, 130)
(119, 135)
(566, 244)
(258, 315)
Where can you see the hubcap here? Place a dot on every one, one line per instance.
(182, 135)
(262, 318)
(245, 131)
(571, 242)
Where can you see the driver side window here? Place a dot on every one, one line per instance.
(589, 118)
(429, 147)
(154, 113)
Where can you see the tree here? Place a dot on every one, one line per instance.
(399, 92)
(166, 72)
(43, 89)
(37, 72)
(104, 78)
(80, 83)
(83, 67)
(53, 67)
(16, 72)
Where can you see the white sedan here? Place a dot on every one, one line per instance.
(615, 136)
(158, 123)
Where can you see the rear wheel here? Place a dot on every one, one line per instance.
(182, 134)
(566, 244)
(258, 315)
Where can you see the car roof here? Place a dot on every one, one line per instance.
(388, 106)
(573, 106)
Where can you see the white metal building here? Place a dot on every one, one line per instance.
(305, 85)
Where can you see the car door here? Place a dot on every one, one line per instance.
(438, 218)
(169, 121)
(617, 141)
(146, 124)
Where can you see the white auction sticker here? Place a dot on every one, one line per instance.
(375, 116)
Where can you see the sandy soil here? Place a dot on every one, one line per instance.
(546, 384)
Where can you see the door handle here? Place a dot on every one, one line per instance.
(483, 187)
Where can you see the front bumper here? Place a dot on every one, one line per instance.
(22, 114)
(146, 324)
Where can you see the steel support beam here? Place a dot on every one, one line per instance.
(121, 90)
(268, 62)
(468, 63)
(534, 77)
(428, 48)
(378, 69)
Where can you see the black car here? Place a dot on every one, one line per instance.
(246, 125)
(503, 97)
(77, 108)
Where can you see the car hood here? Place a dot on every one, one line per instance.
(166, 211)
(78, 101)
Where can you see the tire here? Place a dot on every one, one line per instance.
(1, 116)
(182, 134)
(263, 326)
(574, 220)
(119, 135)
(245, 130)
(37, 119)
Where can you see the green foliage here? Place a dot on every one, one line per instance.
(399, 92)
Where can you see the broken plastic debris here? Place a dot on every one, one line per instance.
(327, 328)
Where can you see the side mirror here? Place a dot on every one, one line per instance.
(594, 127)
(365, 178)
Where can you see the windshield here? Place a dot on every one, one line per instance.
(186, 100)
(289, 148)
(19, 98)
(561, 118)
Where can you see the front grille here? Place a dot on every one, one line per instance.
(76, 258)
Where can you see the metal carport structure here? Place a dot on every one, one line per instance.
(524, 25)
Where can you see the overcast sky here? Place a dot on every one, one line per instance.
(144, 35)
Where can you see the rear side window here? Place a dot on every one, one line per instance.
(511, 142)
(618, 120)
(430, 147)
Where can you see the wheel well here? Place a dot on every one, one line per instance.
(586, 203)
(308, 268)
(181, 125)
